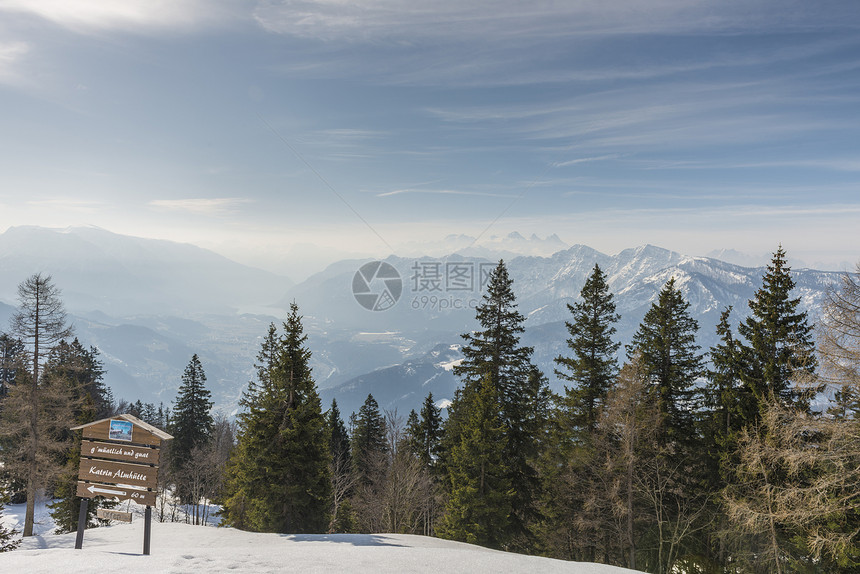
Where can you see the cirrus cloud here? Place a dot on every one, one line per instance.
(87, 15)
(201, 206)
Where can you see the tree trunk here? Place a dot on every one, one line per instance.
(630, 538)
(29, 514)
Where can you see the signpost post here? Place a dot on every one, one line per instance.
(119, 459)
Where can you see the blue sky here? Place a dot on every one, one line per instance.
(269, 129)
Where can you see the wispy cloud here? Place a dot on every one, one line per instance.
(406, 20)
(11, 56)
(210, 206)
(67, 205)
(586, 160)
(440, 192)
(139, 15)
(512, 43)
(835, 164)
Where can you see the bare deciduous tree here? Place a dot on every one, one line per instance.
(392, 500)
(33, 410)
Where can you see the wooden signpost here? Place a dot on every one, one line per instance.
(119, 459)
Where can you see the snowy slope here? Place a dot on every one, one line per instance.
(183, 548)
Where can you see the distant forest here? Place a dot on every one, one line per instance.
(672, 458)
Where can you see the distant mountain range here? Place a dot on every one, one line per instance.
(120, 275)
(148, 305)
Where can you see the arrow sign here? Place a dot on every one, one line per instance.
(94, 490)
(90, 490)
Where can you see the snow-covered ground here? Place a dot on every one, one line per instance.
(181, 548)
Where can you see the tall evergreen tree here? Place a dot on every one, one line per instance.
(278, 476)
(728, 407)
(368, 439)
(494, 354)
(779, 342)
(342, 474)
(81, 372)
(725, 397)
(425, 432)
(338, 438)
(192, 417)
(11, 355)
(666, 339)
(481, 496)
(776, 354)
(569, 463)
(593, 366)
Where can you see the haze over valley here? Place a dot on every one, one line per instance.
(148, 305)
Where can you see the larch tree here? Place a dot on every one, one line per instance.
(839, 343)
(40, 324)
(796, 492)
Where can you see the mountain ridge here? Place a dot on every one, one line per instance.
(166, 302)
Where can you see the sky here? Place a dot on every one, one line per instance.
(277, 132)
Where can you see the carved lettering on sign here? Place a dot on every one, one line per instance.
(127, 453)
(118, 472)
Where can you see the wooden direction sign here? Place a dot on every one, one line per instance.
(108, 514)
(119, 452)
(125, 473)
(120, 462)
(109, 429)
(91, 490)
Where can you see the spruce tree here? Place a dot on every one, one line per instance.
(368, 440)
(278, 474)
(779, 342)
(569, 462)
(777, 352)
(338, 437)
(666, 339)
(342, 476)
(81, 372)
(414, 434)
(192, 419)
(11, 355)
(481, 496)
(593, 366)
(494, 354)
(425, 432)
